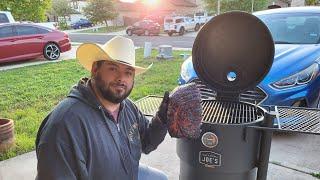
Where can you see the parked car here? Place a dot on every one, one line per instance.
(294, 78)
(155, 18)
(201, 17)
(179, 24)
(144, 27)
(6, 17)
(81, 23)
(22, 41)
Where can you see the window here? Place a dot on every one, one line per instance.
(293, 28)
(6, 32)
(43, 31)
(169, 20)
(200, 14)
(179, 20)
(3, 18)
(136, 24)
(26, 30)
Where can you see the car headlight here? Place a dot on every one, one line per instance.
(185, 73)
(302, 77)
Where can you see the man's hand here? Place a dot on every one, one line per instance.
(163, 109)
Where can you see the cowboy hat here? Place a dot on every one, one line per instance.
(118, 49)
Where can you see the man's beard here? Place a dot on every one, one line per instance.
(105, 90)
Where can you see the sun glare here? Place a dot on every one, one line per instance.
(151, 2)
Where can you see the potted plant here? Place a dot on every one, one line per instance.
(6, 134)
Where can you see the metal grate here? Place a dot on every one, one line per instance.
(149, 105)
(220, 112)
(298, 119)
(217, 112)
(254, 96)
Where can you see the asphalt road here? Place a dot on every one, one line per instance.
(175, 41)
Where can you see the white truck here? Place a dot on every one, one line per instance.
(179, 24)
(6, 17)
(202, 17)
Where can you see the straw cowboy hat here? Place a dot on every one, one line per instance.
(118, 49)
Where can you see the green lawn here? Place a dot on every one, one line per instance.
(28, 94)
(317, 175)
(105, 29)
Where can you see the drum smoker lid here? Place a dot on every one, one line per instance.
(233, 52)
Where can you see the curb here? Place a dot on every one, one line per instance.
(294, 167)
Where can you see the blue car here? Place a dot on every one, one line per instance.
(81, 23)
(294, 76)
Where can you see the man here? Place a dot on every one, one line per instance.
(96, 132)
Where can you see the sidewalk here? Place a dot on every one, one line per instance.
(164, 158)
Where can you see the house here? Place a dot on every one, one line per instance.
(131, 12)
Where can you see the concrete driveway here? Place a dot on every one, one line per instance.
(292, 154)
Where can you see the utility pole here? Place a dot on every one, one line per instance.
(252, 2)
(218, 7)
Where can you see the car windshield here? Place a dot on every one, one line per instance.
(293, 28)
(169, 20)
(199, 14)
(179, 20)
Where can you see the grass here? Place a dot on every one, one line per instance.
(317, 175)
(28, 94)
(104, 29)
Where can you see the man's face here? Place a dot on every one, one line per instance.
(114, 81)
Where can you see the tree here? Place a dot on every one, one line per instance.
(229, 5)
(312, 2)
(100, 11)
(23, 10)
(61, 8)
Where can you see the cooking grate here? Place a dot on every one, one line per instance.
(254, 95)
(298, 119)
(224, 112)
(219, 112)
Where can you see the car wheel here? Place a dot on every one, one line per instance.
(146, 33)
(129, 32)
(51, 51)
(197, 27)
(181, 31)
(170, 33)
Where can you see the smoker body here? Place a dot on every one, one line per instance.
(234, 157)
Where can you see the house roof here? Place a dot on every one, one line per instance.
(183, 3)
(138, 5)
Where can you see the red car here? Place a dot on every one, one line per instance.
(144, 27)
(20, 41)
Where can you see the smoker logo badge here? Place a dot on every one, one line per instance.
(209, 140)
(209, 159)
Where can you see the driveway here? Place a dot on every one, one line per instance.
(165, 158)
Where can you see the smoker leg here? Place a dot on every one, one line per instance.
(266, 139)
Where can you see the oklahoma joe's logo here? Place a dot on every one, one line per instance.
(209, 159)
(209, 140)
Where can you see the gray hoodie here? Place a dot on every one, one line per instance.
(80, 140)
